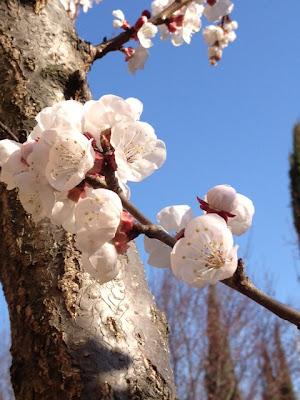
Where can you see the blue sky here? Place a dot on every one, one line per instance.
(230, 124)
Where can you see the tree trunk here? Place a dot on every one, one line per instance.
(72, 338)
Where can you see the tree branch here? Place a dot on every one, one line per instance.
(242, 283)
(239, 281)
(117, 42)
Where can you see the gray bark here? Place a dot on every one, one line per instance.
(71, 337)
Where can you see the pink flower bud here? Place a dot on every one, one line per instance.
(146, 13)
(222, 198)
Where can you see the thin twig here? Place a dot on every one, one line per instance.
(117, 42)
(8, 131)
(155, 231)
(242, 283)
(239, 281)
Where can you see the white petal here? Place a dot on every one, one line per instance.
(213, 34)
(117, 23)
(105, 113)
(218, 10)
(118, 14)
(63, 214)
(7, 148)
(100, 210)
(62, 115)
(103, 264)
(138, 60)
(13, 167)
(206, 253)
(136, 107)
(37, 200)
(243, 212)
(159, 253)
(138, 152)
(69, 160)
(146, 33)
(175, 218)
(89, 240)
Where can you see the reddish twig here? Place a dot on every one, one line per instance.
(117, 42)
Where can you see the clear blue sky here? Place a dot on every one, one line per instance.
(229, 124)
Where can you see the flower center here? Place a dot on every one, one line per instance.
(133, 152)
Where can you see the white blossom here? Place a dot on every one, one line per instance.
(138, 59)
(190, 22)
(119, 20)
(102, 265)
(206, 253)
(106, 112)
(70, 158)
(138, 152)
(173, 219)
(218, 10)
(225, 198)
(146, 33)
(243, 211)
(213, 34)
(99, 212)
(63, 115)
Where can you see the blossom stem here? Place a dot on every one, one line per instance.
(154, 232)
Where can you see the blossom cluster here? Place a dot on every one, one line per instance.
(70, 143)
(72, 6)
(204, 251)
(73, 146)
(179, 28)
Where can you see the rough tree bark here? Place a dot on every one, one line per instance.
(71, 337)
